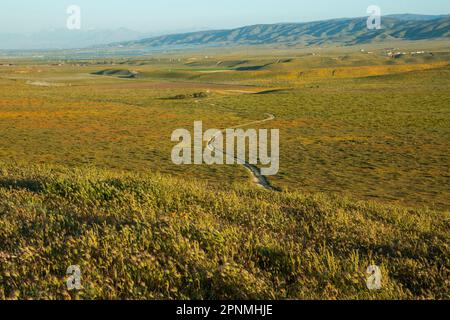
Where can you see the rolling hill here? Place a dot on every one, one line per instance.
(337, 31)
(141, 236)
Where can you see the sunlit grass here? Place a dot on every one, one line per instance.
(86, 178)
(151, 236)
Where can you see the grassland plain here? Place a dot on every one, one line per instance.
(86, 177)
(150, 236)
(363, 125)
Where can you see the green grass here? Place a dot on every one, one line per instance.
(86, 178)
(147, 236)
(371, 131)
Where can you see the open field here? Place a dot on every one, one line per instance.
(353, 123)
(86, 176)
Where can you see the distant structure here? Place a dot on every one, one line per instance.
(392, 53)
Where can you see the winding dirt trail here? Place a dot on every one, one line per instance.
(258, 178)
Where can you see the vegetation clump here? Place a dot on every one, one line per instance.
(195, 95)
(117, 73)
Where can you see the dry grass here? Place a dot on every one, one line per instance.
(153, 237)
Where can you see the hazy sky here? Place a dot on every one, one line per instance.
(26, 16)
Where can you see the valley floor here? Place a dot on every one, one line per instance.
(86, 177)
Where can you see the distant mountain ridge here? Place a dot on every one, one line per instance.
(416, 17)
(347, 31)
(344, 31)
(66, 39)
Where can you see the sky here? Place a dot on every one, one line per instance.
(28, 16)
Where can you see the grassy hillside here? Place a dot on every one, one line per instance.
(151, 236)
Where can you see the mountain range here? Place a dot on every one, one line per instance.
(349, 31)
(346, 31)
